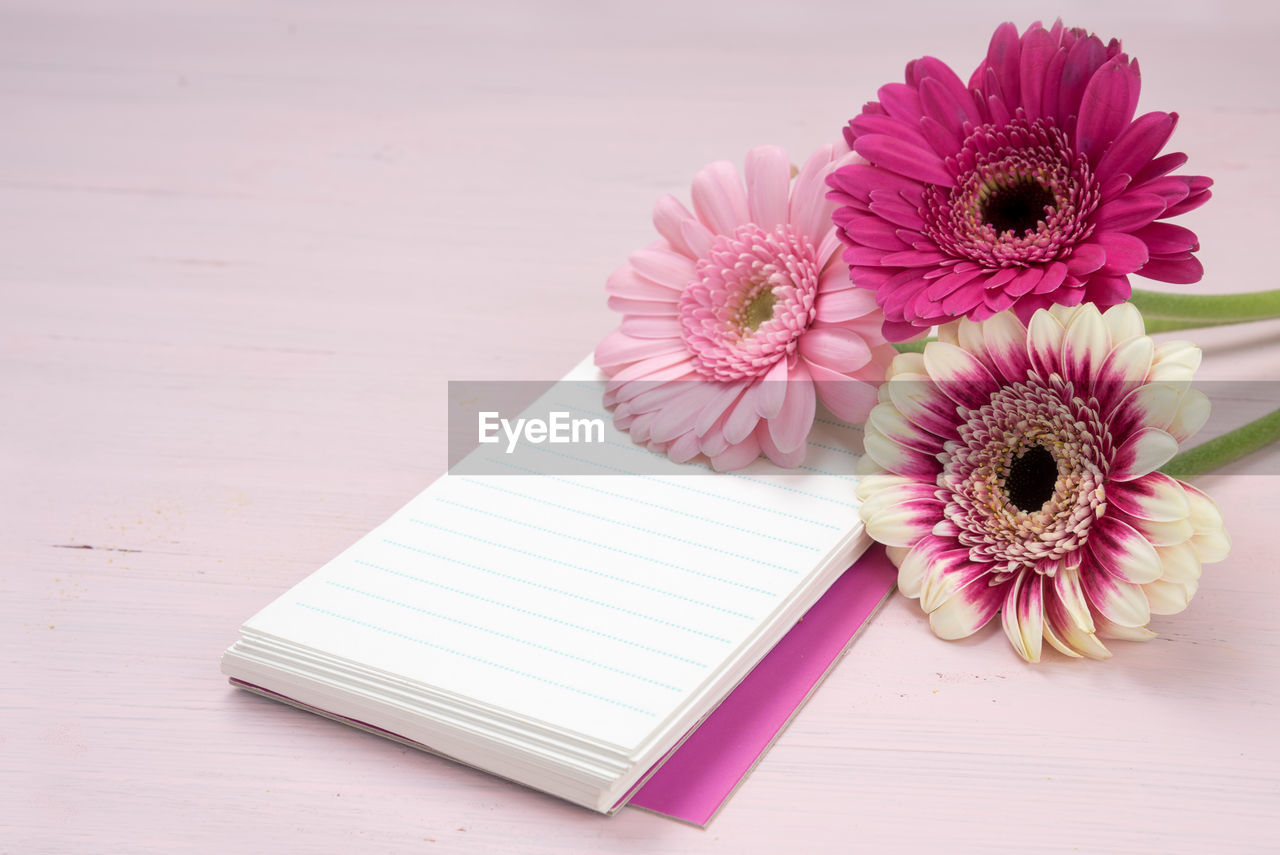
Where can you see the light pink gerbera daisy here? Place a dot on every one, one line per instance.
(741, 317)
(1015, 470)
(1032, 185)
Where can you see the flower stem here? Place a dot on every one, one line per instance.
(916, 346)
(1207, 309)
(1159, 325)
(1226, 448)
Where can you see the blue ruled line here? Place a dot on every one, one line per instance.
(742, 529)
(507, 636)
(844, 425)
(623, 579)
(534, 614)
(681, 486)
(833, 448)
(574, 510)
(482, 661)
(570, 593)
(554, 532)
(829, 474)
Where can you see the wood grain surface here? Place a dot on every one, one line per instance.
(244, 246)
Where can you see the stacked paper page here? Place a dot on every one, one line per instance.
(564, 631)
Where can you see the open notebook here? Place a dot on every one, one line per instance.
(564, 631)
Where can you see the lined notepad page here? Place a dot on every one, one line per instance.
(597, 605)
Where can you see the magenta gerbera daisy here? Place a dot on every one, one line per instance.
(1013, 468)
(1032, 185)
(741, 318)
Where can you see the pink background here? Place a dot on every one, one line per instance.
(244, 245)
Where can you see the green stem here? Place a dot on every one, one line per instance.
(1207, 309)
(912, 346)
(1226, 448)
(1159, 325)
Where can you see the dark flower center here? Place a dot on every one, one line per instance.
(1022, 197)
(1017, 206)
(1032, 478)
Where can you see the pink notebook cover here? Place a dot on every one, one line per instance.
(704, 771)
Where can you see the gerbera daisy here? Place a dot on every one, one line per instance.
(1032, 185)
(741, 317)
(1015, 470)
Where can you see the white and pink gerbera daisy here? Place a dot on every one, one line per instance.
(1015, 471)
(741, 317)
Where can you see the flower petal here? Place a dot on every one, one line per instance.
(684, 448)
(618, 349)
(1005, 340)
(913, 566)
(626, 282)
(1065, 628)
(744, 417)
(792, 425)
(922, 403)
(664, 267)
(948, 573)
(1158, 532)
(809, 210)
(1205, 516)
(1125, 253)
(1044, 343)
(847, 398)
(718, 197)
(1137, 144)
(1123, 371)
(887, 420)
(1175, 362)
(1107, 629)
(677, 416)
(668, 215)
(1179, 563)
(959, 374)
(650, 326)
(1023, 615)
(1117, 600)
(1129, 211)
(726, 395)
(904, 158)
(768, 185)
(898, 459)
(1164, 239)
(1123, 321)
(1104, 108)
(1121, 551)
(772, 390)
(1143, 452)
(1085, 346)
(837, 306)
(785, 459)
(1038, 50)
(737, 456)
(1213, 546)
(903, 524)
(1154, 496)
(835, 347)
(1181, 272)
(968, 610)
(1168, 598)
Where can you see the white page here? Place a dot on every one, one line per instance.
(597, 605)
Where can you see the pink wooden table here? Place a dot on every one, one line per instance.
(245, 245)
